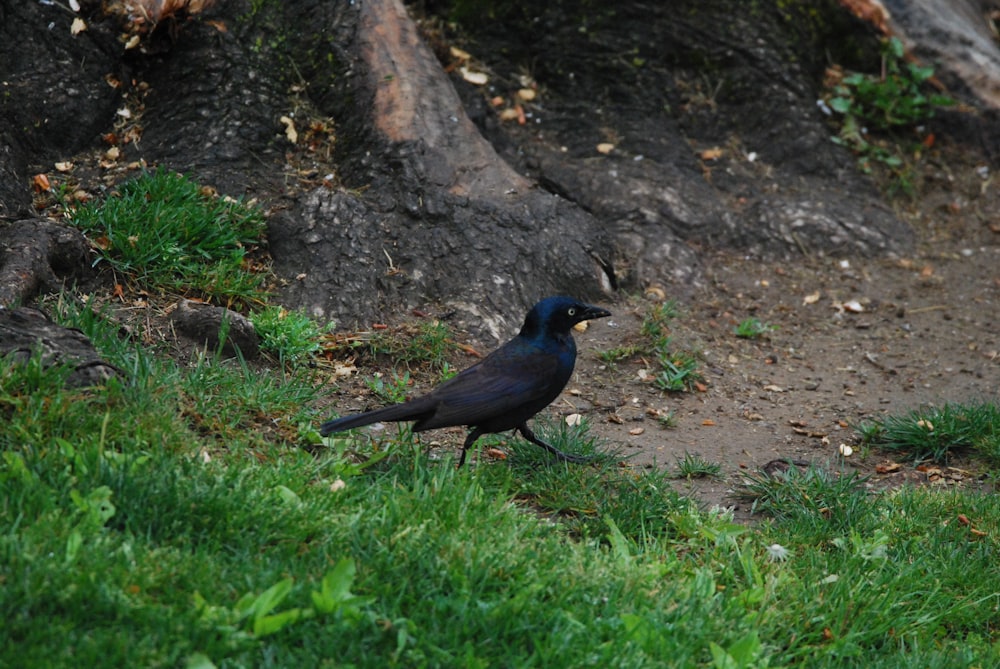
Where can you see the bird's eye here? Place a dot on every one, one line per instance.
(571, 311)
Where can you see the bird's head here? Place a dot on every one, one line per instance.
(556, 315)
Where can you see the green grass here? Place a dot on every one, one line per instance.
(163, 232)
(693, 466)
(427, 343)
(936, 433)
(291, 336)
(677, 370)
(171, 518)
(752, 328)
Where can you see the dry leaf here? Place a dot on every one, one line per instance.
(845, 450)
(811, 298)
(574, 419)
(605, 148)
(636, 431)
(459, 54)
(711, 154)
(474, 78)
(509, 114)
(344, 370)
(41, 183)
(78, 26)
(527, 94)
(708, 422)
(64, 166)
(581, 326)
(290, 133)
(853, 306)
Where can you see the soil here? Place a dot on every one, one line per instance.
(852, 340)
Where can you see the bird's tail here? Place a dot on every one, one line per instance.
(397, 412)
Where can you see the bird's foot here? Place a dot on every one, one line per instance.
(566, 457)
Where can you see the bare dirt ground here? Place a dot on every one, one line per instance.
(854, 339)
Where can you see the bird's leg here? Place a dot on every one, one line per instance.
(568, 457)
(469, 441)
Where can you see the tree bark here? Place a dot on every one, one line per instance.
(420, 195)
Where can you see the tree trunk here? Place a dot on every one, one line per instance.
(403, 187)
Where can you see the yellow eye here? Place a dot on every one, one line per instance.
(572, 311)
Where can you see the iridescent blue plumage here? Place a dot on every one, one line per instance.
(505, 389)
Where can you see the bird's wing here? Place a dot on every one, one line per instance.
(511, 378)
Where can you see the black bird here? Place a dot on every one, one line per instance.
(504, 389)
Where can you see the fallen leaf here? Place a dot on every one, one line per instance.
(290, 133)
(78, 26)
(853, 306)
(474, 78)
(527, 94)
(773, 388)
(337, 485)
(636, 431)
(711, 154)
(64, 166)
(459, 54)
(616, 419)
(496, 454)
(888, 467)
(700, 387)
(811, 298)
(508, 114)
(574, 419)
(708, 422)
(41, 183)
(605, 148)
(845, 450)
(344, 370)
(581, 326)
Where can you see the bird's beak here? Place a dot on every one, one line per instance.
(591, 312)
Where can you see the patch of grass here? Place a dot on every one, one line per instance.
(424, 343)
(678, 369)
(620, 353)
(752, 328)
(165, 233)
(813, 498)
(291, 336)
(391, 391)
(693, 466)
(935, 433)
